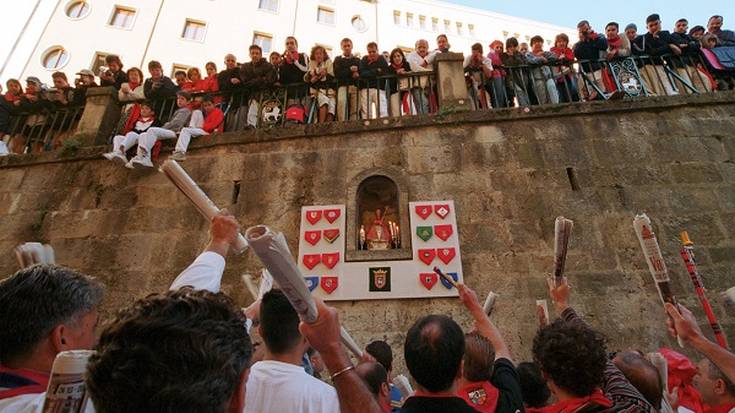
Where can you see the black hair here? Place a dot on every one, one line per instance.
(642, 374)
(279, 323)
(537, 38)
(382, 353)
(433, 352)
(617, 26)
(255, 47)
(373, 374)
(511, 42)
(534, 389)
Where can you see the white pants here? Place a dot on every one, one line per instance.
(346, 103)
(197, 119)
(253, 110)
(372, 96)
(185, 137)
(148, 139)
(127, 141)
(323, 99)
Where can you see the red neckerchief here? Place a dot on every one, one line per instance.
(373, 60)
(593, 35)
(482, 396)
(615, 43)
(133, 85)
(11, 98)
(291, 57)
(39, 380)
(722, 408)
(574, 405)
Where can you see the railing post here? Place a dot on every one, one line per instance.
(100, 116)
(451, 87)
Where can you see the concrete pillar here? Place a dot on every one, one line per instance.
(100, 116)
(451, 87)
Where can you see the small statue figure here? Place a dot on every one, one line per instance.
(379, 236)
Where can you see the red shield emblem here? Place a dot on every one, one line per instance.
(427, 255)
(311, 260)
(313, 216)
(312, 237)
(329, 284)
(428, 280)
(441, 210)
(423, 211)
(331, 235)
(330, 260)
(331, 215)
(443, 231)
(446, 254)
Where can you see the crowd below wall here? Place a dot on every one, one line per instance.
(296, 88)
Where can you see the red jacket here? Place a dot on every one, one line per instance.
(214, 121)
(565, 52)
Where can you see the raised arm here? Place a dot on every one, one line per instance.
(483, 324)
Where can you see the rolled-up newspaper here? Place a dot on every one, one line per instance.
(273, 251)
(542, 312)
(32, 253)
(654, 259)
(201, 201)
(66, 390)
(252, 289)
(562, 234)
(403, 385)
(489, 303)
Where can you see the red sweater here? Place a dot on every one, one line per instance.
(214, 121)
(565, 52)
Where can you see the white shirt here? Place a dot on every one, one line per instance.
(416, 61)
(485, 62)
(274, 386)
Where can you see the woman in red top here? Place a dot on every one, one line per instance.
(498, 93)
(567, 84)
(212, 83)
(14, 93)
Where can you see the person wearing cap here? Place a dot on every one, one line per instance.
(114, 75)
(657, 44)
(725, 38)
(590, 49)
(687, 64)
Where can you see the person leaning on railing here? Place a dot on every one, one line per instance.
(478, 73)
(566, 84)
(517, 75)
(398, 86)
(687, 64)
(589, 50)
(498, 92)
(544, 84)
(114, 75)
(257, 76)
(421, 60)
(346, 73)
(658, 44)
(320, 77)
(372, 90)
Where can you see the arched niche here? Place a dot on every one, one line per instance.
(378, 189)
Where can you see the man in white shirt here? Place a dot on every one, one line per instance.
(279, 383)
(421, 60)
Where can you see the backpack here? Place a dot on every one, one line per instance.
(296, 114)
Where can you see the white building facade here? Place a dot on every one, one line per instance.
(184, 33)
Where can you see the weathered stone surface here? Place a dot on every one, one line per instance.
(506, 170)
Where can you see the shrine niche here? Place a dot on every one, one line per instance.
(378, 215)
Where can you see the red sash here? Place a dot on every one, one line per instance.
(17, 382)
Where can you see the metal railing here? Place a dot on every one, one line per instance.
(44, 129)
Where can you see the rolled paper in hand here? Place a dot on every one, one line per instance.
(66, 389)
(449, 279)
(252, 289)
(730, 295)
(542, 311)
(562, 234)
(403, 385)
(266, 283)
(201, 201)
(659, 361)
(489, 303)
(32, 253)
(273, 251)
(654, 259)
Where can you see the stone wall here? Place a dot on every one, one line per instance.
(510, 173)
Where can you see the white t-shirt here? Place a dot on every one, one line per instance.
(274, 386)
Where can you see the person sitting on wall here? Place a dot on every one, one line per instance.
(114, 75)
(133, 89)
(138, 124)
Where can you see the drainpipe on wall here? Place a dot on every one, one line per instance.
(295, 16)
(150, 38)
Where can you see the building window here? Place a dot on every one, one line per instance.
(409, 19)
(325, 16)
(77, 9)
(178, 68)
(359, 24)
(471, 28)
(265, 41)
(434, 24)
(422, 22)
(396, 17)
(269, 5)
(99, 62)
(459, 28)
(447, 26)
(194, 30)
(122, 18)
(55, 58)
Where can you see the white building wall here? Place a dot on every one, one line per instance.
(231, 24)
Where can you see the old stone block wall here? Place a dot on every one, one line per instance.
(510, 174)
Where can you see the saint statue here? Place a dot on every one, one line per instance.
(379, 235)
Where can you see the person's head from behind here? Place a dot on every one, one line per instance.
(319, 54)
(146, 109)
(255, 52)
(135, 76)
(194, 74)
(478, 359)
(346, 46)
(653, 23)
(372, 50)
(292, 45)
(396, 56)
(376, 379)
(183, 98)
(46, 309)
(382, 353)
(642, 374)
(211, 69)
(697, 32)
(533, 386)
(442, 43)
(433, 352)
(180, 77)
(631, 31)
(537, 44)
(155, 69)
(572, 357)
(60, 80)
(714, 386)
(612, 29)
(714, 24)
(561, 41)
(14, 87)
(230, 61)
(182, 351)
(511, 44)
(274, 58)
(279, 325)
(681, 26)
(476, 50)
(114, 63)
(422, 47)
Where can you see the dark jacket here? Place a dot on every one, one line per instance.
(342, 71)
(416, 404)
(290, 73)
(657, 45)
(591, 50)
(369, 72)
(393, 83)
(118, 79)
(692, 46)
(223, 80)
(166, 88)
(256, 76)
(636, 46)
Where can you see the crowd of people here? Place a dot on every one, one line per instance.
(190, 349)
(314, 87)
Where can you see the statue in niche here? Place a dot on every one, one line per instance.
(381, 235)
(378, 214)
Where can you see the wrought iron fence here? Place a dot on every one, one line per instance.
(42, 130)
